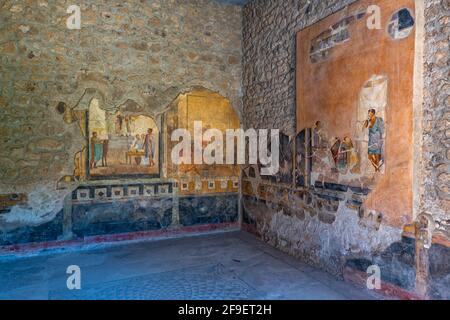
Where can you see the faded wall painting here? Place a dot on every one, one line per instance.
(136, 186)
(214, 112)
(303, 158)
(121, 143)
(286, 160)
(355, 94)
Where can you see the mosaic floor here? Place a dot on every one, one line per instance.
(212, 282)
(229, 266)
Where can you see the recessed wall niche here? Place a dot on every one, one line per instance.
(214, 112)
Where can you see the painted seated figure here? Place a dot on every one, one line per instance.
(138, 144)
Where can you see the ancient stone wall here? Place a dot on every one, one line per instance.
(435, 154)
(436, 116)
(269, 58)
(144, 51)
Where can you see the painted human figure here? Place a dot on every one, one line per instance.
(149, 147)
(376, 139)
(343, 153)
(128, 126)
(119, 124)
(132, 125)
(137, 143)
(96, 150)
(317, 135)
(335, 151)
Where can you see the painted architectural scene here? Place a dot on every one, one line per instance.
(122, 143)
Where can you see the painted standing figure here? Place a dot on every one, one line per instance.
(105, 153)
(149, 147)
(119, 124)
(128, 126)
(317, 135)
(376, 139)
(96, 150)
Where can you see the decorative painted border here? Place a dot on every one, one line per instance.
(117, 191)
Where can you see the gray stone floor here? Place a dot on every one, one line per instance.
(234, 266)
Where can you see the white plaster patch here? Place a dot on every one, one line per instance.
(41, 208)
(345, 236)
(16, 8)
(24, 29)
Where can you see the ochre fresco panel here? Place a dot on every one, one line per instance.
(215, 112)
(345, 71)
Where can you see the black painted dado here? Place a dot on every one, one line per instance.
(89, 219)
(397, 264)
(96, 217)
(197, 210)
(246, 217)
(439, 257)
(49, 231)
(340, 188)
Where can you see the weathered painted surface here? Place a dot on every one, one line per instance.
(397, 264)
(208, 209)
(47, 232)
(439, 258)
(325, 232)
(132, 57)
(114, 209)
(121, 217)
(356, 74)
(435, 153)
(90, 104)
(324, 224)
(138, 58)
